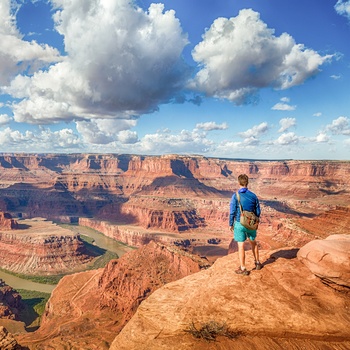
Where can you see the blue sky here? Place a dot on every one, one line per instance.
(261, 79)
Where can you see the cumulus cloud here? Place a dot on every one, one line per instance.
(4, 119)
(240, 55)
(39, 141)
(342, 7)
(209, 126)
(184, 142)
(322, 137)
(283, 105)
(286, 123)
(255, 131)
(104, 131)
(16, 54)
(287, 139)
(317, 114)
(121, 62)
(339, 126)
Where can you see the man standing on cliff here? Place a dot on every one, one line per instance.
(249, 202)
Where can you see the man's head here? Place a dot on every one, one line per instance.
(243, 180)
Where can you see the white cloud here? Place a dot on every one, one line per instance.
(339, 126)
(343, 8)
(322, 137)
(43, 140)
(240, 55)
(184, 142)
(283, 107)
(209, 126)
(17, 55)
(287, 139)
(286, 123)
(104, 131)
(317, 114)
(4, 119)
(335, 77)
(121, 62)
(255, 131)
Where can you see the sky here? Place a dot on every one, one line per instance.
(251, 79)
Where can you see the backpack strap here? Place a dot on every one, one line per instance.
(239, 202)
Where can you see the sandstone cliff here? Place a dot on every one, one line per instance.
(282, 306)
(40, 248)
(87, 310)
(7, 223)
(120, 186)
(10, 302)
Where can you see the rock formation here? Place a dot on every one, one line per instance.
(87, 309)
(136, 199)
(7, 341)
(10, 302)
(40, 248)
(6, 222)
(329, 259)
(282, 306)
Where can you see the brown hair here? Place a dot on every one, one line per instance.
(243, 180)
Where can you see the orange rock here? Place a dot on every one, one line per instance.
(329, 259)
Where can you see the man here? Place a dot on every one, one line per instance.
(249, 202)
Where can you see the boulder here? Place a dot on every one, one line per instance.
(329, 259)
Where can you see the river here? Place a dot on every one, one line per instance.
(100, 240)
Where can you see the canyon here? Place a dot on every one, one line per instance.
(174, 209)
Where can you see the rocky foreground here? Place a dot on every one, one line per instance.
(299, 300)
(282, 306)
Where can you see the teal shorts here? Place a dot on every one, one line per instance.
(241, 233)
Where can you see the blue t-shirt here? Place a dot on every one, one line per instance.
(249, 202)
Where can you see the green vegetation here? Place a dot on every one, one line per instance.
(34, 303)
(52, 279)
(211, 330)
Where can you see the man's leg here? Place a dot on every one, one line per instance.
(255, 250)
(241, 254)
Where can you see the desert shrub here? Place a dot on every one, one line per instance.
(211, 330)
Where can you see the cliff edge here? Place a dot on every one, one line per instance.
(283, 306)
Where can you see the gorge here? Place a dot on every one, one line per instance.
(174, 210)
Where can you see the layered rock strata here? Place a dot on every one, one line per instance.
(87, 310)
(40, 248)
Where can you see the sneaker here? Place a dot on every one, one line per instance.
(258, 266)
(244, 272)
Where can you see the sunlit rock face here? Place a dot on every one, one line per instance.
(187, 195)
(87, 309)
(329, 259)
(284, 305)
(40, 247)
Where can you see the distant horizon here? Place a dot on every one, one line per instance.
(170, 154)
(265, 79)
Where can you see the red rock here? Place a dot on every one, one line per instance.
(10, 302)
(6, 222)
(91, 307)
(329, 259)
(282, 306)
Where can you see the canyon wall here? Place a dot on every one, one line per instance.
(176, 194)
(40, 247)
(86, 310)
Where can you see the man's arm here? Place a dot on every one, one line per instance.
(233, 209)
